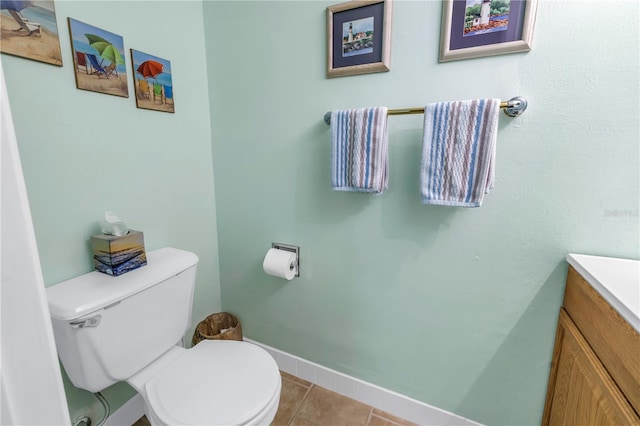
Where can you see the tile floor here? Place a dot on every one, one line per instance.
(305, 404)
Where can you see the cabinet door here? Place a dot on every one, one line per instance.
(582, 392)
(613, 340)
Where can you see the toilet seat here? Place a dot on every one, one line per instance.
(217, 382)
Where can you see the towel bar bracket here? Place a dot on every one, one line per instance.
(514, 107)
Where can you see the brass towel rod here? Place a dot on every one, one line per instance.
(513, 108)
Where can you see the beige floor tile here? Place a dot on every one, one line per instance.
(291, 397)
(323, 407)
(379, 421)
(391, 419)
(301, 422)
(142, 421)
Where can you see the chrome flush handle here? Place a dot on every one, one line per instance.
(87, 322)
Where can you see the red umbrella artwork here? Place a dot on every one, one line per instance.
(150, 69)
(154, 86)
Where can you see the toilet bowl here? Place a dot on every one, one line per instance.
(217, 382)
(110, 329)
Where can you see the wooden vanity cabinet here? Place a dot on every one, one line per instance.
(595, 370)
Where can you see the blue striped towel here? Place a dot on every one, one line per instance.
(359, 150)
(458, 152)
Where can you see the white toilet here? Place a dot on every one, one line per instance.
(129, 328)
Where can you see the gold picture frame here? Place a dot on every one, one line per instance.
(358, 37)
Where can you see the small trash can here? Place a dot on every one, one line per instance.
(219, 326)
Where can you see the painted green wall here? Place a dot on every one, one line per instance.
(455, 307)
(84, 153)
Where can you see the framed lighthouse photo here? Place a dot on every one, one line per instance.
(359, 37)
(478, 28)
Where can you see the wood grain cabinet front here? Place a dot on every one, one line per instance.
(585, 381)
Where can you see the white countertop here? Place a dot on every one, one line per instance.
(617, 280)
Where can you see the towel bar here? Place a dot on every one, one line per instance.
(514, 107)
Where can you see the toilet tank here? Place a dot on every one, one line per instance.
(108, 328)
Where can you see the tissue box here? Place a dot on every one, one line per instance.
(118, 255)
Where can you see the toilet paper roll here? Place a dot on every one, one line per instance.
(278, 263)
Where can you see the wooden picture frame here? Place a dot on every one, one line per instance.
(358, 37)
(30, 30)
(471, 29)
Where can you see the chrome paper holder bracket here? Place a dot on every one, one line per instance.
(293, 249)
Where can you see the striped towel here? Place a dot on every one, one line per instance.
(359, 150)
(458, 152)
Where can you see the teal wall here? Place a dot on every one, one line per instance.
(454, 307)
(84, 153)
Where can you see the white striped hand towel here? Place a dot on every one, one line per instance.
(359, 150)
(458, 152)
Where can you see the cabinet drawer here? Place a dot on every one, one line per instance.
(613, 340)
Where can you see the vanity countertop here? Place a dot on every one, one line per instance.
(616, 280)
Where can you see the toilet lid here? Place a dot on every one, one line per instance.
(221, 381)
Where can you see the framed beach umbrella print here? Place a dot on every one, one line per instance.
(28, 29)
(98, 56)
(153, 82)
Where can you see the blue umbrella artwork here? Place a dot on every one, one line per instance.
(29, 30)
(14, 7)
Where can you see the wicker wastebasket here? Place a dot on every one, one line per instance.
(219, 326)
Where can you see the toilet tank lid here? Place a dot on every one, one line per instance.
(90, 292)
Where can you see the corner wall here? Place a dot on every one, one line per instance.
(454, 307)
(84, 153)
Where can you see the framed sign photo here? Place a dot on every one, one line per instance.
(477, 28)
(358, 37)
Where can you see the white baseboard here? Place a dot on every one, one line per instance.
(393, 403)
(367, 393)
(128, 414)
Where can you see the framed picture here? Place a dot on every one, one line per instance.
(98, 56)
(359, 37)
(29, 30)
(152, 80)
(477, 28)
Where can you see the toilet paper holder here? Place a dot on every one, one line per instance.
(294, 249)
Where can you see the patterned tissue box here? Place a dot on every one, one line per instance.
(117, 255)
